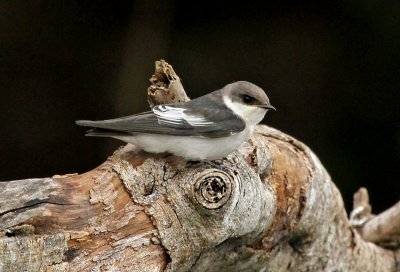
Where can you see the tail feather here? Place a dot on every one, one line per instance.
(85, 123)
(99, 132)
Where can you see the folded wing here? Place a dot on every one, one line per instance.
(175, 119)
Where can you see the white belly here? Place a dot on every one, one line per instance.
(191, 148)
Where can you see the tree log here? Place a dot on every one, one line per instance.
(269, 206)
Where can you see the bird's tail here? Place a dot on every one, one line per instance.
(99, 132)
(85, 123)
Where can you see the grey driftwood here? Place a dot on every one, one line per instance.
(270, 206)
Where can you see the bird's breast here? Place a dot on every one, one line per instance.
(189, 147)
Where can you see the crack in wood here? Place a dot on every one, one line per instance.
(34, 203)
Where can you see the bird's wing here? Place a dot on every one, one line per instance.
(174, 119)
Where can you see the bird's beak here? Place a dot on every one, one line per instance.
(267, 106)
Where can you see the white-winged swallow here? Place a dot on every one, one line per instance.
(206, 128)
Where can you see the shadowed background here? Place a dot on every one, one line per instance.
(332, 69)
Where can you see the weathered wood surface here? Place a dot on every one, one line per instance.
(270, 206)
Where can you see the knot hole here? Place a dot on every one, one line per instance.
(213, 189)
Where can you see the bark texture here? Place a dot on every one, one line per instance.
(383, 229)
(269, 206)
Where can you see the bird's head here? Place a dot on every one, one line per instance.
(247, 100)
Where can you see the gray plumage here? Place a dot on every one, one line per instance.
(224, 121)
(208, 127)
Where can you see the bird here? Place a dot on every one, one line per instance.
(209, 127)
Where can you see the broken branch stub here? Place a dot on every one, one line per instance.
(166, 86)
(382, 229)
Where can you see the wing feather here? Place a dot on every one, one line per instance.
(175, 119)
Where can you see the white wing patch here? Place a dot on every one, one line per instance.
(177, 116)
(197, 120)
(169, 115)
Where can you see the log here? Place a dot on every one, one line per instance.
(269, 206)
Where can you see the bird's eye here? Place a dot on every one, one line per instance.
(248, 99)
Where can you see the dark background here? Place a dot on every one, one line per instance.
(332, 68)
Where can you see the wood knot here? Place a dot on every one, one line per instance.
(213, 189)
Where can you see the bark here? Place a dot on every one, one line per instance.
(383, 229)
(269, 206)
